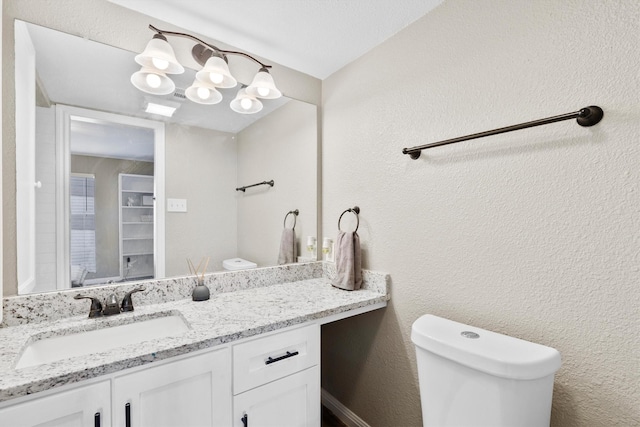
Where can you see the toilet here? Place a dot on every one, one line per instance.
(234, 264)
(472, 377)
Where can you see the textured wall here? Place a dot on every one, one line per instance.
(533, 233)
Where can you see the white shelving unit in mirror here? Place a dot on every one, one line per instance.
(136, 226)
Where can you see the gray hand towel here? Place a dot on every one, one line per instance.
(287, 247)
(348, 261)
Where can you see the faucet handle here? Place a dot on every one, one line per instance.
(127, 302)
(96, 305)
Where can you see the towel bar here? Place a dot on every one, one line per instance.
(269, 183)
(587, 116)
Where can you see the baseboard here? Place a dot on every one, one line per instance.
(345, 414)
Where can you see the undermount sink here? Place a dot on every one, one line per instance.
(66, 345)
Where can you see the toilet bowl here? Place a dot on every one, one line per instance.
(472, 377)
(238, 264)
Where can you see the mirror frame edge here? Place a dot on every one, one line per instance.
(1, 196)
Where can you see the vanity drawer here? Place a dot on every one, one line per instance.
(275, 356)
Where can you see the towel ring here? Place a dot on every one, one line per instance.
(295, 217)
(356, 211)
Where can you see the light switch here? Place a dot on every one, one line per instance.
(176, 205)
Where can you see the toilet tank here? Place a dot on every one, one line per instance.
(473, 377)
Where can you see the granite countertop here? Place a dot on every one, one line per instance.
(225, 318)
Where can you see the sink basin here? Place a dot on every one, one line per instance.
(64, 346)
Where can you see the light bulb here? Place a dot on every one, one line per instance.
(203, 92)
(263, 91)
(153, 80)
(246, 103)
(216, 77)
(160, 64)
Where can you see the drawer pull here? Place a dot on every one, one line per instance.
(127, 415)
(289, 354)
(245, 420)
(96, 419)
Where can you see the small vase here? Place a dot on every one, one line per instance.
(200, 292)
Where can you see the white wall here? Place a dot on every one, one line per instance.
(288, 139)
(46, 271)
(201, 167)
(533, 233)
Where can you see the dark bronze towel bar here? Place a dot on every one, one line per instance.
(270, 183)
(587, 116)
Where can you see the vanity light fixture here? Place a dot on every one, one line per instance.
(158, 59)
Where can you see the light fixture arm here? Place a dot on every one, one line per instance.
(222, 52)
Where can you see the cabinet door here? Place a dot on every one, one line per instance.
(191, 392)
(80, 407)
(293, 401)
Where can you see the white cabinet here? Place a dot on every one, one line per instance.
(136, 226)
(293, 401)
(191, 392)
(88, 405)
(273, 380)
(277, 380)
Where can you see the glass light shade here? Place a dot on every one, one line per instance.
(216, 72)
(151, 81)
(245, 103)
(203, 93)
(159, 56)
(263, 86)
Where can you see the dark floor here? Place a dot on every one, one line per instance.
(330, 420)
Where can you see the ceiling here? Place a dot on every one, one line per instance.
(316, 37)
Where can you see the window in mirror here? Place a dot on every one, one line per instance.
(83, 227)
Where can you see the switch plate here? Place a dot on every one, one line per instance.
(176, 205)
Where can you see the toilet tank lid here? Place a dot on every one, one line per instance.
(489, 352)
(238, 264)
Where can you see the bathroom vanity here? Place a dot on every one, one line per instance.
(249, 356)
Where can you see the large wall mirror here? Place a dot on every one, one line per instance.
(107, 192)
